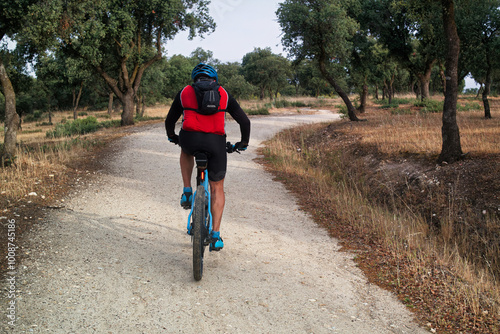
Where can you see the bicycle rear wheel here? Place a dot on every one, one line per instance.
(199, 232)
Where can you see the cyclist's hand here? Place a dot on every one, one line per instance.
(174, 139)
(240, 146)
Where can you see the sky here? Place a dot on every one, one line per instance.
(242, 25)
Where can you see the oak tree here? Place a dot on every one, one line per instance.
(320, 30)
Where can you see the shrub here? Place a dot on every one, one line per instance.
(298, 104)
(33, 117)
(395, 102)
(76, 127)
(429, 106)
(469, 106)
(111, 123)
(343, 111)
(260, 111)
(281, 104)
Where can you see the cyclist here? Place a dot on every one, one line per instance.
(205, 133)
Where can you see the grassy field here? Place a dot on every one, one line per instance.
(429, 233)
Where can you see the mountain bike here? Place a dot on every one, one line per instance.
(199, 224)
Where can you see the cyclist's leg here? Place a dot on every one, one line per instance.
(187, 165)
(218, 200)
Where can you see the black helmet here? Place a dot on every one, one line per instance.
(204, 69)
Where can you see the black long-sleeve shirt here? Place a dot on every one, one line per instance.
(233, 108)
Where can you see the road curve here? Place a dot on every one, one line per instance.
(116, 258)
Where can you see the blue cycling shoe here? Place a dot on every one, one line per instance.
(187, 198)
(217, 244)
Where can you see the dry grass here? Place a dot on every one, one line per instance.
(434, 272)
(34, 132)
(41, 163)
(421, 133)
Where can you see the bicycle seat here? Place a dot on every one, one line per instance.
(201, 160)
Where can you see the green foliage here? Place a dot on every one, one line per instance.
(469, 106)
(286, 104)
(265, 70)
(240, 88)
(395, 102)
(342, 110)
(309, 79)
(478, 23)
(429, 106)
(259, 111)
(36, 116)
(77, 127)
(111, 123)
(281, 104)
(177, 74)
(87, 125)
(315, 29)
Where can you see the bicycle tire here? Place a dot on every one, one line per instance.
(199, 231)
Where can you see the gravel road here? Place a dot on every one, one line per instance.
(117, 259)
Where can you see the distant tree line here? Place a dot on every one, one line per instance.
(109, 54)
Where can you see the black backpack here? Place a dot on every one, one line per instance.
(208, 97)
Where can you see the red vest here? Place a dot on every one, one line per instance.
(194, 121)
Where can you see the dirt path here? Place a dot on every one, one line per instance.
(117, 258)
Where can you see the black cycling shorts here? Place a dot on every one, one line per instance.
(213, 144)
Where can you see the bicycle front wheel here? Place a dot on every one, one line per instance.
(199, 232)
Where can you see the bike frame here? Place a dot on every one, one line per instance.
(202, 179)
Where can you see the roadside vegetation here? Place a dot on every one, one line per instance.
(430, 233)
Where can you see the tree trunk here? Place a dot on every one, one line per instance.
(125, 88)
(110, 103)
(425, 80)
(350, 108)
(479, 90)
(128, 108)
(443, 78)
(138, 104)
(362, 99)
(262, 90)
(376, 92)
(486, 103)
(49, 101)
(391, 87)
(451, 150)
(384, 90)
(12, 119)
(143, 109)
(75, 103)
(487, 87)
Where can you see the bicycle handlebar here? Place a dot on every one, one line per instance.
(230, 148)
